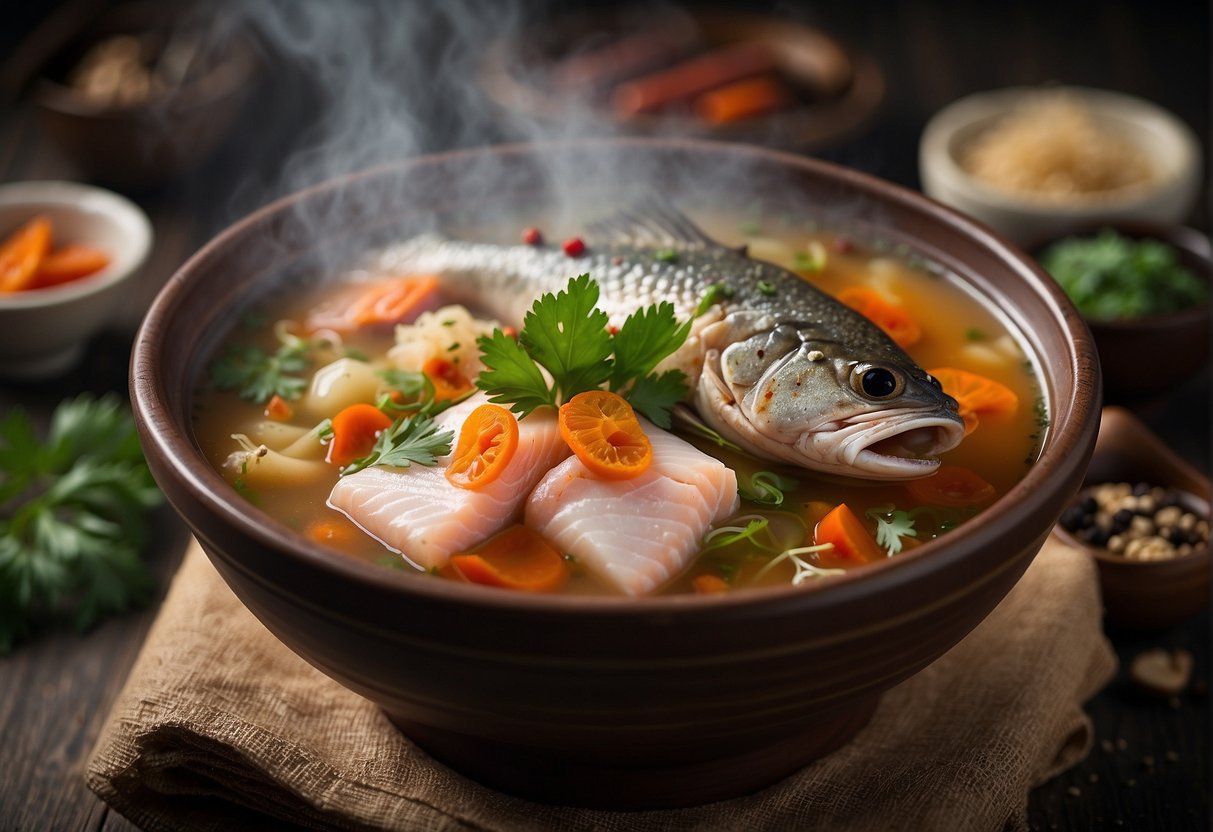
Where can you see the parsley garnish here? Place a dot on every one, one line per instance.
(258, 376)
(713, 295)
(410, 439)
(71, 516)
(891, 526)
(766, 287)
(567, 335)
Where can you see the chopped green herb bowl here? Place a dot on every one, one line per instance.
(1129, 347)
(608, 701)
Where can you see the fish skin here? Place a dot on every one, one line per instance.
(777, 372)
(635, 534)
(417, 512)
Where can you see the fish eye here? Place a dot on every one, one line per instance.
(876, 382)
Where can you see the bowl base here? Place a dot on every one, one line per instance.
(549, 777)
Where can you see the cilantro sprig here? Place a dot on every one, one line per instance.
(257, 376)
(410, 439)
(71, 516)
(567, 336)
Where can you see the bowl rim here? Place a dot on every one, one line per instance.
(180, 456)
(74, 196)
(936, 152)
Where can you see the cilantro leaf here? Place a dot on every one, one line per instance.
(646, 337)
(766, 488)
(512, 377)
(654, 396)
(71, 516)
(258, 376)
(567, 334)
(410, 439)
(891, 527)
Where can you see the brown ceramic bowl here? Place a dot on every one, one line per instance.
(1129, 348)
(608, 701)
(1152, 594)
(158, 138)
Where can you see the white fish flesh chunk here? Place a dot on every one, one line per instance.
(417, 512)
(635, 534)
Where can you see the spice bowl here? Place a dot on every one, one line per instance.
(44, 331)
(1164, 145)
(1129, 347)
(1146, 594)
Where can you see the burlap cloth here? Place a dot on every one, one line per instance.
(220, 727)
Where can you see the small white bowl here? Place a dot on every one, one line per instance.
(1167, 142)
(43, 332)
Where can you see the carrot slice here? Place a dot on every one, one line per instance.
(330, 532)
(894, 320)
(742, 99)
(604, 433)
(391, 301)
(853, 543)
(487, 442)
(709, 584)
(448, 382)
(22, 252)
(355, 430)
(952, 486)
(975, 394)
(72, 262)
(278, 410)
(516, 558)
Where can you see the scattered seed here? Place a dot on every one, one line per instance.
(1074, 791)
(1161, 672)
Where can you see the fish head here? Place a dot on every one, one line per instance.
(786, 390)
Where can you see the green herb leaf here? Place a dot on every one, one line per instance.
(766, 287)
(71, 516)
(665, 255)
(891, 526)
(813, 259)
(766, 488)
(654, 396)
(567, 334)
(712, 296)
(512, 377)
(410, 439)
(258, 376)
(646, 337)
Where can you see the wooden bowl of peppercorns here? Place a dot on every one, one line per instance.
(1143, 514)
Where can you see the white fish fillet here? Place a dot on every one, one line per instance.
(416, 512)
(635, 534)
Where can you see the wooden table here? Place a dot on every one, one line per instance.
(1150, 766)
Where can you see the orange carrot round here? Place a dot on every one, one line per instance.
(952, 486)
(448, 382)
(894, 320)
(355, 430)
(604, 433)
(487, 442)
(22, 253)
(278, 409)
(975, 394)
(516, 558)
(853, 543)
(72, 262)
(709, 584)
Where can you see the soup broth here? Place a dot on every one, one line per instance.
(770, 539)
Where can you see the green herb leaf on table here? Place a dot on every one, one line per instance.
(71, 516)
(410, 439)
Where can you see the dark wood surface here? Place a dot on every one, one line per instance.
(1150, 765)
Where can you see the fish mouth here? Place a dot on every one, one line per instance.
(894, 445)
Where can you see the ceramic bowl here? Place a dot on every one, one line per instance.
(608, 701)
(1129, 348)
(170, 133)
(44, 331)
(1143, 595)
(1168, 144)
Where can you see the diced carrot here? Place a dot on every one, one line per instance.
(709, 584)
(330, 532)
(448, 382)
(742, 99)
(895, 321)
(487, 442)
(355, 430)
(72, 262)
(853, 543)
(952, 486)
(391, 301)
(278, 410)
(975, 394)
(516, 558)
(604, 433)
(22, 253)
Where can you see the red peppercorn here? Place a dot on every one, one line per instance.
(532, 236)
(574, 247)
(843, 245)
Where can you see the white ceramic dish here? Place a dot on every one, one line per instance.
(44, 331)
(1167, 142)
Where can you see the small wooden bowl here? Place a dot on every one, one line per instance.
(1129, 348)
(1142, 595)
